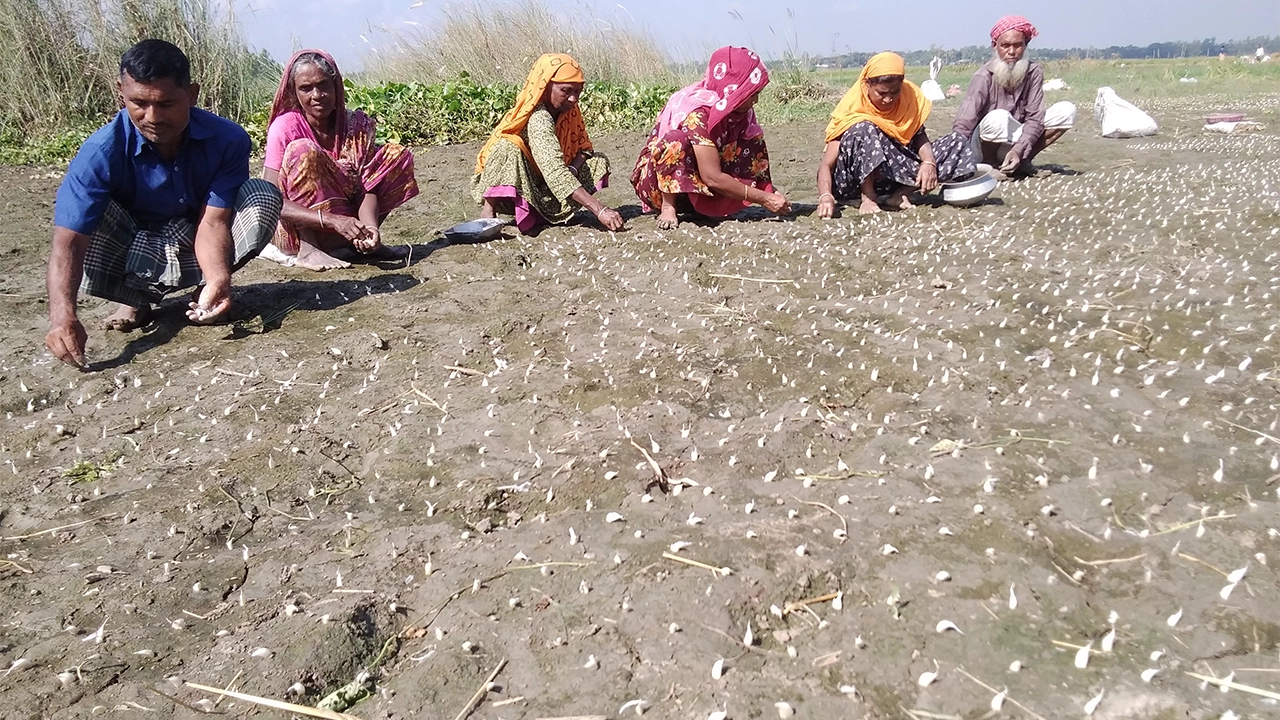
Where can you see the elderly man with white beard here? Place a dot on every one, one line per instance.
(1003, 109)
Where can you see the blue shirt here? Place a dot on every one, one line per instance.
(118, 163)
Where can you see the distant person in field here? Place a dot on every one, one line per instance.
(156, 201)
(1004, 111)
(877, 145)
(339, 184)
(539, 164)
(706, 154)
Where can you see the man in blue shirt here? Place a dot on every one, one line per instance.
(157, 200)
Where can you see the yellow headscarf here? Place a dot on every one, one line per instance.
(571, 129)
(901, 122)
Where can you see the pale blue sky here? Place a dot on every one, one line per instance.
(690, 27)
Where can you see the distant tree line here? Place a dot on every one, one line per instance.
(980, 53)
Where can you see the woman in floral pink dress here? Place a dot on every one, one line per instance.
(707, 154)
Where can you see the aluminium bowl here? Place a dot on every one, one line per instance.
(475, 230)
(972, 191)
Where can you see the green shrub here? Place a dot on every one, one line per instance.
(462, 110)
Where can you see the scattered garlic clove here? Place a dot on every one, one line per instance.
(1109, 640)
(997, 702)
(717, 669)
(945, 625)
(1148, 674)
(1093, 704)
(637, 705)
(1082, 656)
(613, 517)
(784, 710)
(1174, 618)
(1013, 598)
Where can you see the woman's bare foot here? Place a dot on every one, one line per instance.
(900, 199)
(667, 219)
(128, 318)
(311, 257)
(868, 206)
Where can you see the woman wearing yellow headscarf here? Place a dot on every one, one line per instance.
(539, 164)
(876, 142)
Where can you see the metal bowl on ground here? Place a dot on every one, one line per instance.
(475, 230)
(972, 191)
(1223, 117)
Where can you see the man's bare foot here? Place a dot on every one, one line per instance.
(312, 258)
(900, 199)
(128, 318)
(868, 206)
(667, 219)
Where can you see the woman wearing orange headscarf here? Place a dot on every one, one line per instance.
(539, 164)
(876, 142)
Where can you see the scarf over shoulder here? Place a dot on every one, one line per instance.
(571, 129)
(286, 100)
(733, 75)
(901, 122)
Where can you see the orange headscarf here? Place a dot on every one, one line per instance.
(901, 123)
(571, 129)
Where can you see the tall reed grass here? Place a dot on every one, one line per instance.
(59, 61)
(494, 42)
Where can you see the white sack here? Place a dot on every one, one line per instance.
(1119, 118)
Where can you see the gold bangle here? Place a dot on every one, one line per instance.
(929, 162)
(746, 193)
(826, 195)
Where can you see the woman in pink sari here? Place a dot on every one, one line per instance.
(707, 153)
(338, 184)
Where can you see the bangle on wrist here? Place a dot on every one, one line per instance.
(320, 217)
(826, 195)
(929, 162)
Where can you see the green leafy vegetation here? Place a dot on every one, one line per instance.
(87, 471)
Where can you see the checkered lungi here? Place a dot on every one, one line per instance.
(136, 266)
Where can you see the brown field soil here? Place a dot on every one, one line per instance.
(1065, 397)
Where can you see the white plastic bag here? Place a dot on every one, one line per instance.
(1119, 118)
(931, 89)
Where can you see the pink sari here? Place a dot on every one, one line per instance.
(337, 180)
(702, 114)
